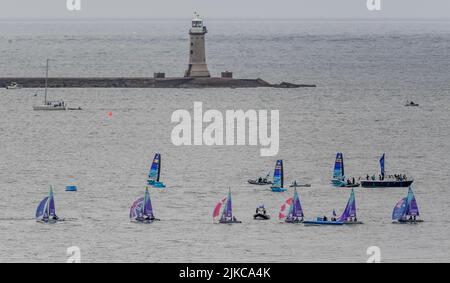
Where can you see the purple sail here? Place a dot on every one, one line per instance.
(148, 209)
(228, 210)
(297, 208)
(136, 208)
(350, 209)
(41, 209)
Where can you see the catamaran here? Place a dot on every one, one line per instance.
(142, 211)
(278, 178)
(407, 211)
(396, 181)
(50, 105)
(295, 213)
(339, 179)
(225, 206)
(338, 173)
(46, 211)
(349, 215)
(155, 173)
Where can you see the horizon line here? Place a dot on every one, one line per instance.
(375, 18)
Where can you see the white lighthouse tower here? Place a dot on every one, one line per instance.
(197, 55)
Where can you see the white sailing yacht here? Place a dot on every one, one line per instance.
(50, 105)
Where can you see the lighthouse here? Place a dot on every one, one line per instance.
(197, 56)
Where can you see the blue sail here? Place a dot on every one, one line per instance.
(412, 209)
(42, 208)
(339, 171)
(278, 176)
(52, 208)
(155, 170)
(382, 166)
(400, 209)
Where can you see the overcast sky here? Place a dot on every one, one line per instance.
(224, 9)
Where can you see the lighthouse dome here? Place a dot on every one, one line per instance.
(197, 25)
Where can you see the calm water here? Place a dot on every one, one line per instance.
(365, 71)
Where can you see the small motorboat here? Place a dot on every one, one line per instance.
(260, 182)
(13, 85)
(411, 104)
(71, 188)
(352, 185)
(261, 213)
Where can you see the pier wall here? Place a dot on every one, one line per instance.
(143, 82)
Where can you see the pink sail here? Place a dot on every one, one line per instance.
(219, 205)
(284, 208)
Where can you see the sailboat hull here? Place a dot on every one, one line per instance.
(50, 221)
(386, 184)
(49, 108)
(294, 221)
(230, 222)
(260, 216)
(144, 221)
(158, 185)
(323, 223)
(255, 182)
(353, 222)
(417, 221)
(278, 189)
(337, 183)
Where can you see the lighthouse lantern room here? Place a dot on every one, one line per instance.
(197, 54)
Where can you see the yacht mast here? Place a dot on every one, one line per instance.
(46, 83)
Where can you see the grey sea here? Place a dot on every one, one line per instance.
(365, 71)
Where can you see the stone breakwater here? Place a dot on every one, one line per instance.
(142, 82)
